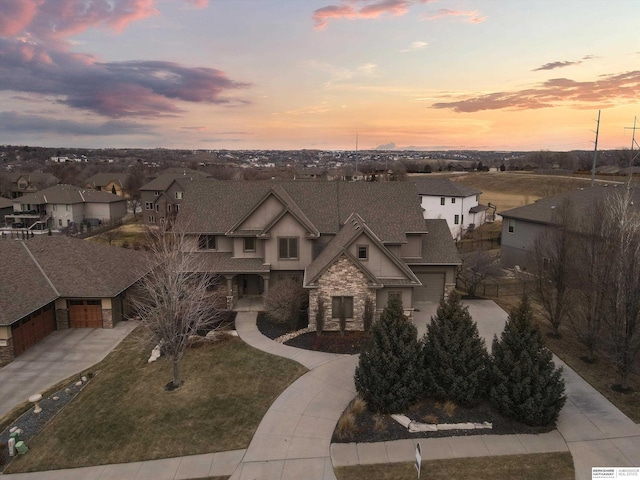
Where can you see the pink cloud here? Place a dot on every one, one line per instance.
(322, 15)
(608, 90)
(56, 20)
(472, 17)
(199, 3)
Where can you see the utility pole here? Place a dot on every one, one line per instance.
(633, 143)
(356, 173)
(595, 153)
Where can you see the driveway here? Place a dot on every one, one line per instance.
(60, 355)
(489, 317)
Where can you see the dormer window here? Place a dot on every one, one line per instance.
(157, 193)
(179, 195)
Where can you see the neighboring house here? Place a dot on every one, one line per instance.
(51, 283)
(342, 240)
(452, 201)
(6, 208)
(161, 197)
(522, 225)
(62, 206)
(26, 183)
(109, 182)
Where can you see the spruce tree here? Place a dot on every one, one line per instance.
(455, 359)
(387, 375)
(525, 384)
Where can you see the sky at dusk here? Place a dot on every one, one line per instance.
(294, 74)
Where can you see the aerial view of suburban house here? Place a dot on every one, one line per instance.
(162, 196)
(108, 182)
(454, 202)
(49, 283)
(26, 183)
(62, 206)
(342, 240)
(522, 225)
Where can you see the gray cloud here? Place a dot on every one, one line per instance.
(15, 123)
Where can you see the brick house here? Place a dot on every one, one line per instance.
(344, 240)
(51, 283)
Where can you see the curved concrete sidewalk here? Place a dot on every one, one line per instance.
(293, 440)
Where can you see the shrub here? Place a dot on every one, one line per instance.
(525, 384)
(346, 427)
(282, 302)
(321, 310)
(367, 316)
(387, 373)
(455, 359)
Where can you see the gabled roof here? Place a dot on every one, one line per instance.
(34, 178)
(6, 203)
(68, 194)
(103, 179)
(390, 208)
(544, 211)
(35, 272)
(443, 187)
(353, 228)
(438, 248)
(288, 206)
(163, 181)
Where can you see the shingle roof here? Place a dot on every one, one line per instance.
(352, 229)
(68, 194)
(438, 247)
(390, 209)
(37, 178)
(582, 200)
(225, 262)
(37, 271)
(443, 187)
(163, 181)
(6, 203)
(23, 287)
(104, 178)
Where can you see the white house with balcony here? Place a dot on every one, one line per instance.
(454, 202)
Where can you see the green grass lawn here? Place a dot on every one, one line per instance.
(542, 466)
(125, 415)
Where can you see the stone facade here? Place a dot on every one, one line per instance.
(62, 318)
(107, 318)
(342, 278)
(6, 353)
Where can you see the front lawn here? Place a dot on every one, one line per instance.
(125, 415)
(541, 466)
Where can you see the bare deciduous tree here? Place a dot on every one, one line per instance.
(283, 301)
(552, 266)
(174, 300)
(476, 267)
(623, 317)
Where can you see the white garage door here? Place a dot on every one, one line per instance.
(432, 289)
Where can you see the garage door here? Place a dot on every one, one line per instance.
(85, 314)
(432, 289)
(30, 330)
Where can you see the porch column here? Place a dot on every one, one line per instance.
(265, 279)
(229, 279)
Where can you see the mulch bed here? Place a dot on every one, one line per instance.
(429, 411)
(371, 427)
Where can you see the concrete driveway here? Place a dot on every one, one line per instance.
(489, 317)
(60, 355)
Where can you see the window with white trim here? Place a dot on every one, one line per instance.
(512, 226)
(249, 244)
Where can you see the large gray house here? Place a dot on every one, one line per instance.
(522, 225)
(342, 240)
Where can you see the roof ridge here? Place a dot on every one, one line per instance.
(35, 261)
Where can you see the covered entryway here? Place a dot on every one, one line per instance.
(32, 329)
(85, 313)
(432, 289)
(249, 284)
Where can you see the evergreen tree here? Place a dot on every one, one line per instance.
(455, 359)
(387, 375)
(525, 383)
